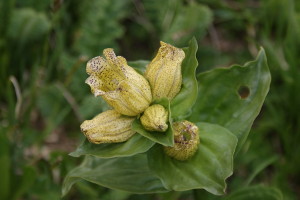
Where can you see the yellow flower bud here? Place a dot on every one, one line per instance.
(155, 118)
(186, 138)
(164, 72)
(120, 85)
(108, 127)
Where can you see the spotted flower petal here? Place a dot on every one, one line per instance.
(108, 127)
(164, 72)
(120, 85)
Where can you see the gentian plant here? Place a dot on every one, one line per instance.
(168, 129)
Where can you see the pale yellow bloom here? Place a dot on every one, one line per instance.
(186, 138)
(155, 118)
(120, 85)
(164, 72)
(107, 127)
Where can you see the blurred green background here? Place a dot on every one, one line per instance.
(45, 44)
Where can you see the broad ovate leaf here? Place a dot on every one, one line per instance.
(136, 144)
(182, 103)
(232, 97)
(164, 138)
(129, 174)
(208, 169)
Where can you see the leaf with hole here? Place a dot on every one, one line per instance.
(233, 97)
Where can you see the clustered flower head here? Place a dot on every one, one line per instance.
(132, 95)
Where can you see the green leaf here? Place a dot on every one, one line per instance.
(190, 20)
(27, 25)
(258, 192)
(136, 144)
(182, 103)
(165, 138)
(128, 174)
(207, 169)
(233, 97)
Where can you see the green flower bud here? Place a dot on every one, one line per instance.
(155, 118)
(164, 72)
(186, 138)
(120, 85)
(108, 127)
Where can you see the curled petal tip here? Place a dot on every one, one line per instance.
(93, 82)
(95, 65)
(99, 93)
(110, 55)
(163, 43)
